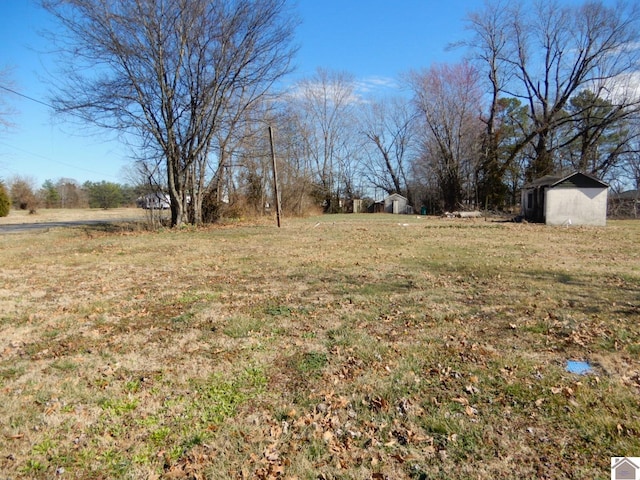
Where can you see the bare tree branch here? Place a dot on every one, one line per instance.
(172, 72)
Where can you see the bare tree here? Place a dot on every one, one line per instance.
(630, 166)
(296, 168)
(242, 155)
(599, 136)
(625, 180)
(171, 72)
(491, 49)
(6, 111)
(389, 129)
(447, 98)
(71, 194)
(548, 54)
(324, 105)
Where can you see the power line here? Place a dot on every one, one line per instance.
(49, 159)
(27, 97)
(35, 100)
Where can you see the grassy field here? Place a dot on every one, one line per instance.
(337, 347)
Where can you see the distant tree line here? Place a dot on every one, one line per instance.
(546, 88)
(22, 193)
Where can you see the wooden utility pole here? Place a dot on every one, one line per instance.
(275, 176)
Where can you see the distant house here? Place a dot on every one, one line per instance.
(355, 206)
(394, 203)
(576, 199)
(156, 201)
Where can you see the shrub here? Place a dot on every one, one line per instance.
(211, 207)
(5, 201)
(22, 196)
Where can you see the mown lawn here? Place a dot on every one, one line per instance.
(337, 347)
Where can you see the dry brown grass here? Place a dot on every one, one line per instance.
(355, 346)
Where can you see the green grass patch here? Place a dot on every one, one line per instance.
(311, 363)
(242, 326)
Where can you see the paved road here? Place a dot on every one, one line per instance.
(44, 226)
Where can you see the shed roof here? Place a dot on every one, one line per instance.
(395, 196)
(574, 180)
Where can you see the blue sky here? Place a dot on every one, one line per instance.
(374, 40)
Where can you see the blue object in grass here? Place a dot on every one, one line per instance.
(578, 367)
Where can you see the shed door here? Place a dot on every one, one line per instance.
(396, 206)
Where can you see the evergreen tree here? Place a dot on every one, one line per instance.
(599, 133)
(5, 201)
(49, 194)
(104, 194)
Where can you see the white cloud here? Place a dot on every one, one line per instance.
(376, 84)
(353, 91)
(624, 88)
